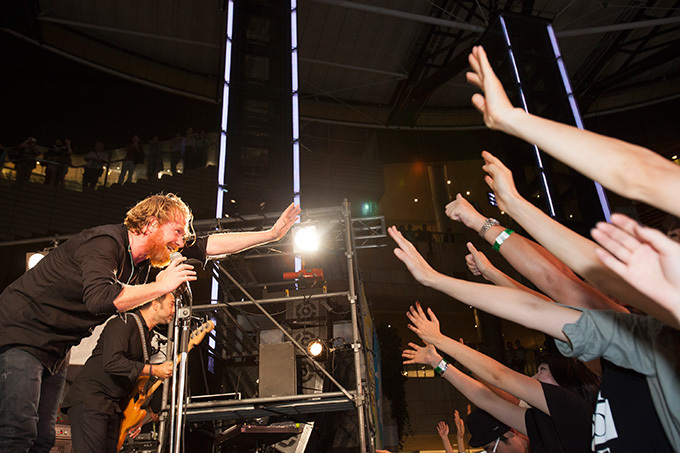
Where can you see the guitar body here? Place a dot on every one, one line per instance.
(133, 414)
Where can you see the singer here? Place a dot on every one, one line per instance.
(100, 271)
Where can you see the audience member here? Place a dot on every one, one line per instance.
(494, 436)
(24, 157)
(640, 343)
(94, 166)
(133, 155)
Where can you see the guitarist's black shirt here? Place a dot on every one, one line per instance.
(111, 372)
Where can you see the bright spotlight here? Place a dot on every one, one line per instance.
(306, 239)
(34, 258)
(315, 348)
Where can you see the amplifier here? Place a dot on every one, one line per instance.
(63, 442)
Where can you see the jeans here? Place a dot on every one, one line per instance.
(29, 400)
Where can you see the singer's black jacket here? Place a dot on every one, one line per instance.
(57, 303)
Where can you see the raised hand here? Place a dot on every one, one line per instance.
(493, 104)
(443, 429)
(461, 210)
(499, 179)
(460, 426)
(477, 262)
(415, 263)
(175, 274)
(644, 257)
(425, 355)
(425, 326)
(285, 221)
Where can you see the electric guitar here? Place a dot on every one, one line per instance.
(134, 412)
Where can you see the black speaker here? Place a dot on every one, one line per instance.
(277, 370)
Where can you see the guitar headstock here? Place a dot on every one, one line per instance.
(200, 332)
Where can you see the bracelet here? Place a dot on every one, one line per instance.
(488, 223)
(150, 370)
(502, 238)
(441, 368)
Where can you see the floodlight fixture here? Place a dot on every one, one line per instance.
(315, 348)
(306, 239)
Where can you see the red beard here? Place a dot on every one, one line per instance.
(157, 251)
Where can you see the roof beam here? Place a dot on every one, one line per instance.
(404, 15)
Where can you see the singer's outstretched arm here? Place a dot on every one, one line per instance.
(221, 244)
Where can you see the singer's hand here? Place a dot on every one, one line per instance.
(175, 274)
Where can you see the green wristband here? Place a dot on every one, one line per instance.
(502, 238)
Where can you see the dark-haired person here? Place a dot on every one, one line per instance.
(494, 436)
(558, 419)
(94, 400)
(99, 271)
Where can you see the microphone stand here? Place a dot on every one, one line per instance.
(179, 372)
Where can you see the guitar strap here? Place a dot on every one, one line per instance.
(145, 351)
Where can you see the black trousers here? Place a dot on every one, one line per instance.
(93, 431)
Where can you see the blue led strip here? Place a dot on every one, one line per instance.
(296, 110)
(544, 180)
(577, 115)
(222, 160)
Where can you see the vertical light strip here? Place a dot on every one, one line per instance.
(219, 209)
(296, 110)
(577, 115)
(524, 106)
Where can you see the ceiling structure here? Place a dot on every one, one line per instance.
(370, 63)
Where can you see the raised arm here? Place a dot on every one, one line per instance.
(221, 244)
(632, 171)
(483, 366)
(443, 431)
(474, 391)
(512, 304)
(575, 250)
(534, 262)
(479, 264)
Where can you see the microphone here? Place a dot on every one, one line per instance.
(184, 288)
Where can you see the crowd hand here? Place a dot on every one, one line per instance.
(469, 409)
(162, 370)
(461, 210)
(425, 326)
(499, 179)
(176, 273)
(424, 355)
(460, 426)
(285, 221)
(477, 262)
(493, 103)
(408, 254)
(644, 257)
(443, 429)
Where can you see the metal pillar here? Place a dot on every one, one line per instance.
(356, 341)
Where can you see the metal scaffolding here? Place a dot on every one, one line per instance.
(238, 333)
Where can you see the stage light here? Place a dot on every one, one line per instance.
(306, 239)
(315, 348)
(33, 258)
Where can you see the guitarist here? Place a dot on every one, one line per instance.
(121, 356)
